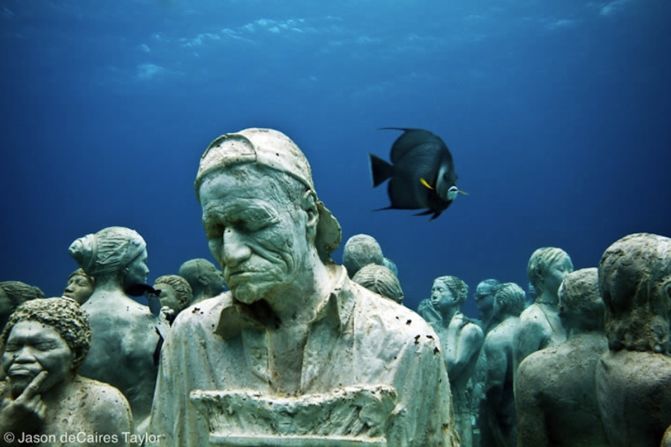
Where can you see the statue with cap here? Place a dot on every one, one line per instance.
(294, 341)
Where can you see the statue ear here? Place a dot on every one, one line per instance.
(309, 205)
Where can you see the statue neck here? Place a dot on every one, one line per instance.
(547, 298)
(300, 301)
(448, 314)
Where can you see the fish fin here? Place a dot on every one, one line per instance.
(436, 214)
(380, 170)
(425, 184)
(385, 208)
(424, 213)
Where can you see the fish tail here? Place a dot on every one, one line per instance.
(380, 169)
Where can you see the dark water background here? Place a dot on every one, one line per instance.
(558, 115)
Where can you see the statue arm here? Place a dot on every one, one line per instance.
(530, 338)
(112, 415)
(467, 346)
(497, 365)
(531, 429)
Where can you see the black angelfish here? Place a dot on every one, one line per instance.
(421, 172)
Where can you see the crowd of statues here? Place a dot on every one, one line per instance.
(282, 346)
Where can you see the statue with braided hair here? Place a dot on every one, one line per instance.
(124, 337)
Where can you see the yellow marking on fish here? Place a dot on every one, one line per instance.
(425, 183)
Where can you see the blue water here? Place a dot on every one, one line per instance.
(558, 115)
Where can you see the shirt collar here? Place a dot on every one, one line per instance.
(236, 316)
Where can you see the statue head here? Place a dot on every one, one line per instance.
(484, 297)
(112, 252)
(547, 268)
(13, 294)
(263, 220)
(51, 335)
(360, 250)
(203, 277)
(391, 265)
(580, 303)
(175, 292)
(448, 292)
(79, 286)
(508, 300)
(380, 280)
(635, 282)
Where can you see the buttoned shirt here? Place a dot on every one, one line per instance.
(356, 338)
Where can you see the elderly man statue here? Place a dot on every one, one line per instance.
(293, 323)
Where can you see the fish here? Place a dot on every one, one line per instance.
(421, 173)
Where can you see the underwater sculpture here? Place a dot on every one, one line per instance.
(499, 417)
(555, 390)
(484, 301)
(391, 265)
(361, 250)
(12, 295)
(204, 278)
(381, 280)
(421, 173)
(633, 378)
(540, 325)
(123, 337)
(461, 340)
(79, 286)
(44, 343)
(175, 295)
(293, 353)
(426, 310)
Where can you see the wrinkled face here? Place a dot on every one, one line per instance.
(168, 297)
(258, 236)
(554, 274)
(31, 348)
(137, 270)
(442, 297)
(484, 300)
(79, 288)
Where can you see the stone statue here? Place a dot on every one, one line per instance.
(499, 417)
(484, 301)
(361, 250)
(80, 286)
(426, 310)
(391, 265)
(123, 335)
(203, 277)
(540, 325)
(294, 340)
(555, 393)
(44, 343)
(12, 295)
(633, 378)
(380, 280)
(461, 340)
(175, 295)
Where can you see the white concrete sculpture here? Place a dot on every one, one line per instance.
(293, 324)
